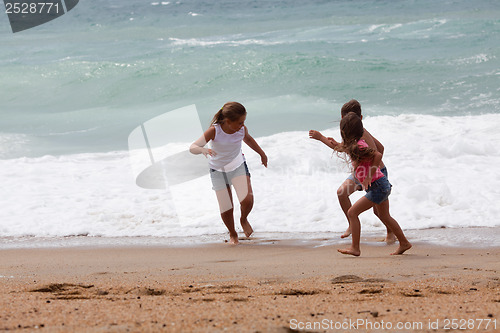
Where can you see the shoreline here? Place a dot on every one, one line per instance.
(469, 237)
(275, 286)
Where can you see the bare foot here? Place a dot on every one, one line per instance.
(350, 251)
(233, 239)
(402, 248)
(347, 233)
(390, 238)
(247, 228)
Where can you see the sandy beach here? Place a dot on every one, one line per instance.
(258, 286)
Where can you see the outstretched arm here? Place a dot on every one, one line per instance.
(250, 141)
(330, 142)
(197, 147)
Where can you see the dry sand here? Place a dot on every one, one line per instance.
(267, 286)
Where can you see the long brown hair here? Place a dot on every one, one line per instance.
(351, 130)
(231, 110)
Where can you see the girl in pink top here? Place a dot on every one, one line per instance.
(365, 163)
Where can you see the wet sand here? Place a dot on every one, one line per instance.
(258, 286)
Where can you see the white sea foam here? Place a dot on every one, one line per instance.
(235, 41)
(443, 171)
(476, 59)
(11, 142)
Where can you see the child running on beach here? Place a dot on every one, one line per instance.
(227, 164)
(365, 164)
(351, 184)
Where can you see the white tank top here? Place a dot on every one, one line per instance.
(228, 149)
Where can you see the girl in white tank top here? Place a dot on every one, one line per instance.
(227, 164)
(228, 147)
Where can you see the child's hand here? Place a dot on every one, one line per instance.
(315, 135)
(366, 183)
(207, 152)
(263, 159)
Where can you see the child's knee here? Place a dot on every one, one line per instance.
(351, 213)
(342, 192)
(248, 200)
(226, 210)
(225, 205)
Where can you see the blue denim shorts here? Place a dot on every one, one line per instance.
(221, 180)
(359, 187)
(379, 191)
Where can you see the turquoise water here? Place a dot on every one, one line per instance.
(84, 81)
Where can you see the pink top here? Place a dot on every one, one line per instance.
(362, 170)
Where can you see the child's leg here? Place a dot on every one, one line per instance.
(390, 222)
(347, 188)
(360, 206)
(390, 238)
(225, 199)
(243, 188)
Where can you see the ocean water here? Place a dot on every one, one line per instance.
(73, 90)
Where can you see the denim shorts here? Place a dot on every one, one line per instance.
(221, 180)
(379, 191)
(359, 187)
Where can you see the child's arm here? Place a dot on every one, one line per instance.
(250, 141)
(198, 146)
(373, 142)
(330, 142)
(377, 158)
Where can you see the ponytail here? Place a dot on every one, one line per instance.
(218, 117)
